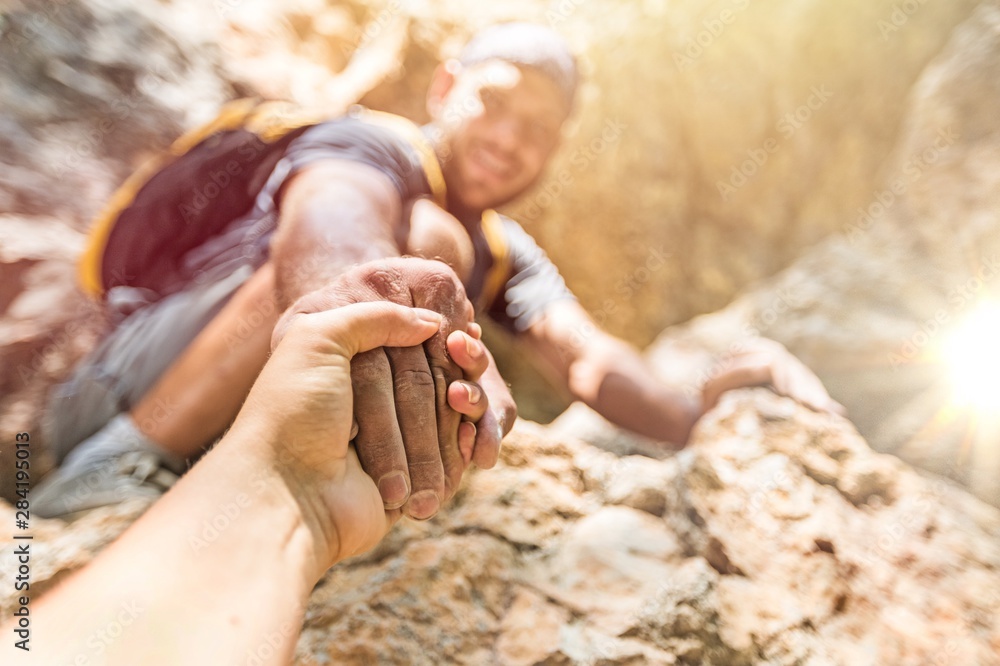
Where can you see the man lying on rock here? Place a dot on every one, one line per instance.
(368, 207)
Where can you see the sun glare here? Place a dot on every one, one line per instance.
(973, 356)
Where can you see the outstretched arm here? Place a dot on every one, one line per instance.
(609, 376)
(285, 498)
(612, 378)
(334, 214)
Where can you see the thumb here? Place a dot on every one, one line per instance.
(363, 326)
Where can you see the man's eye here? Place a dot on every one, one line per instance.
(491, 102)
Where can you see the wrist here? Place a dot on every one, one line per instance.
(291, 502)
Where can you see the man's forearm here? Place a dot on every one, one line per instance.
(333, 216)
(312, 267)
(618, 385)
(610, 376)
(186, 583)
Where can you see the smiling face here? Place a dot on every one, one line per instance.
(497, 124)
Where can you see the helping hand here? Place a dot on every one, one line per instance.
(409, 403)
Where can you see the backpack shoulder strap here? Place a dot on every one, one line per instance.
(497, 240)
(425, 151)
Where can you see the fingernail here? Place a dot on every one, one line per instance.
(473, 348)
(394, 489)
(423, 505)
(428, 315)
(467, 442)
(474, 392)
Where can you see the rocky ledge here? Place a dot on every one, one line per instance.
(777, 537)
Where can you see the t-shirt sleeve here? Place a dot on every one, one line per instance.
(534, 283)
(354, 140)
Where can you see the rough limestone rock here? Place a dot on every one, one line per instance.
(777, 538)
(873, 310)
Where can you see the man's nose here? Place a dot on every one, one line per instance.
(506, 134)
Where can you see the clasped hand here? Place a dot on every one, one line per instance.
(421, 412)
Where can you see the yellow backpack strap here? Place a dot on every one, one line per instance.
(231, 116)
(425, 151)
(273, 120)
(497, 240)
(268, 120)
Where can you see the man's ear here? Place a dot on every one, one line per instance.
(441, 85)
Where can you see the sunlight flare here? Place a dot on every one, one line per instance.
(972, 353)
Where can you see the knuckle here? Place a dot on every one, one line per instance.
(418, 420)
(426, 469)
(439, 283)
(441, 370)
(413, 380)
(369, 368)
(386, 281)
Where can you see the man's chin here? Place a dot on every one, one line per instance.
(482, 203)
(486, 199)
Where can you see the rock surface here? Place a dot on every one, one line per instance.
(778, 537)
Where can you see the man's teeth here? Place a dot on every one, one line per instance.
(492, 163)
